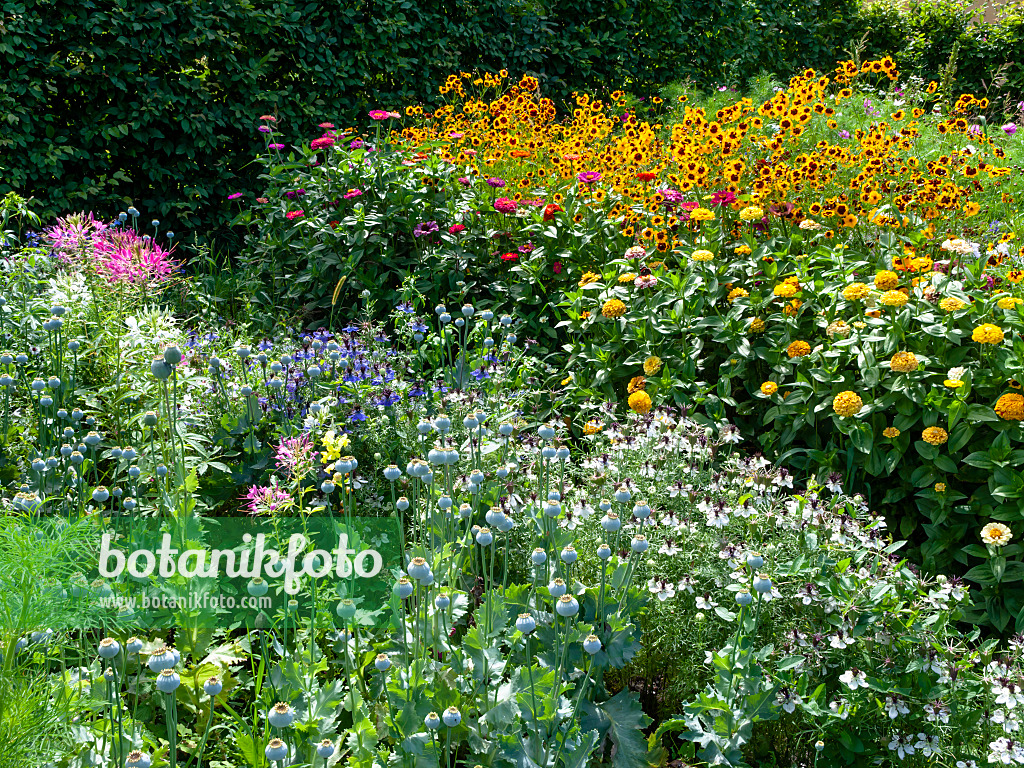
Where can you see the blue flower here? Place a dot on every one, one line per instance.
(358, 415)
(480, 374)
(265, 345)
(350, 328)
(405, 307)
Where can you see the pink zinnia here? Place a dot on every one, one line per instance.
(323, 141)
(589, 177)
(326, 125)
(352, 193)
(293, 215)
(505, 205)
(234, 195)
(379, 114)
(454, 229)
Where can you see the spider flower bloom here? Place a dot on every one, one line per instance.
(72, 235)
(265, 500)
(125, 257)
(295, 455)
(996, 534)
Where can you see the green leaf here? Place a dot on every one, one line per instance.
(622, 720)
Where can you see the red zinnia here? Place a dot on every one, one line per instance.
(557, 267)
(454, 229)
(271, 118)
(550, 210)
(510, 256)
(646, 176)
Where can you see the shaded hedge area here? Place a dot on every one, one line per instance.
(108, 102)
(155, 103)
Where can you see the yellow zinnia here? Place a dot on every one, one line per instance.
(935, 435)
(988, 334)
(1010, 407)
(769, 388)
(640, 402)
(855, 291)
(847, 403)
(652, 365)
(798, 349)
(613, 308)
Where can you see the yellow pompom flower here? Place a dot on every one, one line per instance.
(1010, 407)
(640, 402)
(940, 487)
(798, 349)
(701, 214)
(1008, 302)
(702, 255)
(769, 388)
(890, 432)
(903, 362)
(652, 365)
(953, 383)
(613, 308)
(588, 278)
(856, 291)
(756, 325)
(988, 334)
(742, 250)
(737, 293)
(636, 384)
(847, 403)
(838, 328)
(786, 290)
(886, 280)
(791, 309)
(951, 304)
(893, 299)
(752, 213)
(935, 435)
(996, 534)
(627, 277)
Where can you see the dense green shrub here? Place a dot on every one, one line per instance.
(109, 103)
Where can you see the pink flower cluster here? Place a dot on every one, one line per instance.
(120, 254)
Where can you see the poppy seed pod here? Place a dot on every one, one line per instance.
(567, 606)
(526, 623)
(281, 715)
(213, 686)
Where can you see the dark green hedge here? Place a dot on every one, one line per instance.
(110, 102)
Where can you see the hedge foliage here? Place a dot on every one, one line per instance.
(108, 102)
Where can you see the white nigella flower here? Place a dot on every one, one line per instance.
(670, 548)
(718, 517)
(686, 584)
(705, 603)
(854, 679)
(966, 764)
(840, 641)
(895, 706)
(936, 712)
(839, 708)
(902, 745)
(787, 699)
(663, 590)
(928, 745)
